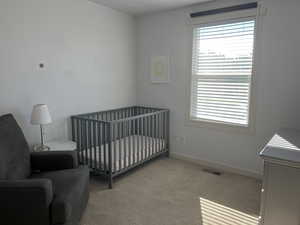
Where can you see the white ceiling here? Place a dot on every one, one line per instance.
(139, 7)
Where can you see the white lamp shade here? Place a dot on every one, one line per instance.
(40, 115)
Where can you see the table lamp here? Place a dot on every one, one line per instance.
(40, 116)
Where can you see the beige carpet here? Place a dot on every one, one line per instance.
(173, 192)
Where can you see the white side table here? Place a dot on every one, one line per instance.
(61, 145)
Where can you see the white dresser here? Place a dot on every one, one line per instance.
(281, 182)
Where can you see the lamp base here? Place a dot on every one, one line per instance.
(41, 148)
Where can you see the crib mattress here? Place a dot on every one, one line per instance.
(125, 152)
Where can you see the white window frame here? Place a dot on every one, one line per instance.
(218, 19)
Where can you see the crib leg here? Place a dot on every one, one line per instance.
(168, 154)
(110, 182)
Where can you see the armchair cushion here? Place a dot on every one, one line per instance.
(70, 193)
(53, 160)
(25, 201)
(14, 150)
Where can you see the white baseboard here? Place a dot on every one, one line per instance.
(217, 166)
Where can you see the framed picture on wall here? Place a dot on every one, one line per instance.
(160, 69)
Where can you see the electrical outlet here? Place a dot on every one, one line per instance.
(180, 139)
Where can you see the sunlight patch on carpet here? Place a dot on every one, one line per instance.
(216, 214)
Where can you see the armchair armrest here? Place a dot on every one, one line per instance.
(54, 160)
(25, 201)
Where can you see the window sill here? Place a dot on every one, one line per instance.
(220, 126)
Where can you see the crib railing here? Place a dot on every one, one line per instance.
(115, 141)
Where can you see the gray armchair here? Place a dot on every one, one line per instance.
(44, 188)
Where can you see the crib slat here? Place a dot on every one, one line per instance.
(109, 140)
(143, 152)
(133, 132)
(104, 147)
(158, 132)
(153, 133)
(86, 142)
(165, 130)
(118, 140)
(122, 149)
(124, 146)
(73, 128)
(88, 136)
(113, 138)
(83, 136)
(168, 131)
(148, 136)
(142, 155)
(161, 130)
(99, 144)
(129, 141)
(145, 136)
(95, 144)
(90, 143)
(141, 149)
(120, 144)
(82, 141)
(138, 136)
(78, 140)
(138, 139)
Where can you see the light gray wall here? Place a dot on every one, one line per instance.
(89, 56)
(276, 84)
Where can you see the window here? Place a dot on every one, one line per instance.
(221, 72)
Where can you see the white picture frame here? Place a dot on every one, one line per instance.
(160, 69)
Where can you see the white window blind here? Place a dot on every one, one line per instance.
(221, 72)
